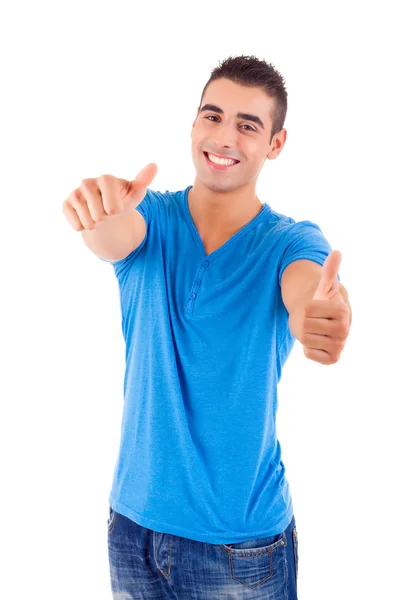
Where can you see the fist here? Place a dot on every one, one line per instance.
(104, 197)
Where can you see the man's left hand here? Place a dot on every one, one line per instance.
(327, 317)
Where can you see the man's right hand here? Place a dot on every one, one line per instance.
(97, 200)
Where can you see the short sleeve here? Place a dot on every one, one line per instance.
(304, 240)
(145, 209)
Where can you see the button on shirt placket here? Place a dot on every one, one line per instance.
(196, 285)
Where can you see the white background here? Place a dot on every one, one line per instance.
(96, 87)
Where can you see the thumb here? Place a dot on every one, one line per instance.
(142, 180)
(146, 175)
(329, 283)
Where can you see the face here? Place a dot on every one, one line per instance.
(236, 125)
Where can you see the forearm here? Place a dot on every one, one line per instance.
(116, 237)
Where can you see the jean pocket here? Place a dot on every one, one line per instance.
(253, 562)
(111, 519)
(260, 544)
(296, 551)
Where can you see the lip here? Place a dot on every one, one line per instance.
(218, 167)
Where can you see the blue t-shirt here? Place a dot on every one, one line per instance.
(206, 339)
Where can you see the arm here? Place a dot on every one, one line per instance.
(115, 238)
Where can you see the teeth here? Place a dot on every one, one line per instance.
(220, 161)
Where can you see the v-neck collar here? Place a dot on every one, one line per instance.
(234, 237)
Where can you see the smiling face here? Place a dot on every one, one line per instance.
(233, 122)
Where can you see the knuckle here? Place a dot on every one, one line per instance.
(105, 177)
(77, 195)
(338, 345)
(112, 210)
(343, 310)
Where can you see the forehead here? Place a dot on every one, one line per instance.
(233, 98)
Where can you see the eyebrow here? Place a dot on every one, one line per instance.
(239, 115)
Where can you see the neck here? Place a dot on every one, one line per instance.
(222, 212)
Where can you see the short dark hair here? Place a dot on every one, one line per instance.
(253, 72)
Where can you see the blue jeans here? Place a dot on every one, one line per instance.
(149, 565)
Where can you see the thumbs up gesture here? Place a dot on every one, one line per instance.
(327, 317)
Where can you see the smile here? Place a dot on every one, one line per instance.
(220, 164)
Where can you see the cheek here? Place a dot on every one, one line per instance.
(198, 142)
(201, 132)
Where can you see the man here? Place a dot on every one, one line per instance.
(215, 287)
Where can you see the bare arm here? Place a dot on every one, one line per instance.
(115, 238)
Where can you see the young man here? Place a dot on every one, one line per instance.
(215, 287)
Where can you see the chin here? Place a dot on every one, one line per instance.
(215, 186)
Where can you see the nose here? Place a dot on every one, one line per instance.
(224, 135)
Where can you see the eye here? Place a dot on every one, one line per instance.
(245, 125)
(251, 128)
